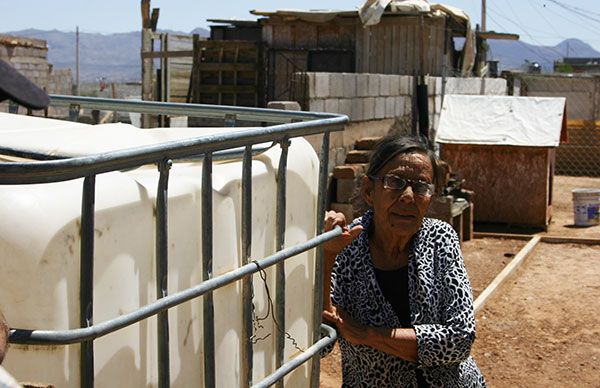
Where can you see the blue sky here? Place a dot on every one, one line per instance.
(541, 22)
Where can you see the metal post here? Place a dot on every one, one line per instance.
(318, 293)
(74, 112)
(86, 278)
(280, 268)
(77, 90)
(247, 350)
(162, 271)
(207, 272)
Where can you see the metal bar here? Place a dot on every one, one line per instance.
(65, 337)
(162, 268)
(247, 284)
(312, 351)
(168, 54)
(194, 110)
(228, 154)
(207, 272)
(60, 170)
(86, 279)
(318, 294)
(280, 268)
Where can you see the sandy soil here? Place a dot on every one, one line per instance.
(540, 329)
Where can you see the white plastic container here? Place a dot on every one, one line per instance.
(586, 203)
(39, 246)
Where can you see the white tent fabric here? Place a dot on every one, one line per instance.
(371, 11)
(502, 120)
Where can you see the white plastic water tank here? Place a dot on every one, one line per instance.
(39, 246)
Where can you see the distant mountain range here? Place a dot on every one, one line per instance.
(117, 56)
(113, 56)
(512, 54)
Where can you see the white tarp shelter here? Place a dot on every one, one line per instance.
(502, 120)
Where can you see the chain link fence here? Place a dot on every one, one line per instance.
(581, 155)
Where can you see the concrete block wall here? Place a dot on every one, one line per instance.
(29, 57)
(365, 97)
(374, 101)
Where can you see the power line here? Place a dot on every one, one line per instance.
(522, 43)
(521, 27)
(575, 10)
(548, 22)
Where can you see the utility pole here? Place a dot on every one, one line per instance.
(77, 60)
(483, 15)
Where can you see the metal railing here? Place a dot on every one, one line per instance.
(295, 124)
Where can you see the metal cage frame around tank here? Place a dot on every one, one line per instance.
(288, 124)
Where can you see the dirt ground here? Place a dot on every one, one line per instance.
(541, 328)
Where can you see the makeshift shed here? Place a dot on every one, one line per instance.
(504, 149)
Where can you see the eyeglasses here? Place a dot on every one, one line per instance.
(394, 182)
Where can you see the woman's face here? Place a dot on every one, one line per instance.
(399, 212)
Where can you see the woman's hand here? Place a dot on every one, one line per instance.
(349, 328)
(335, 246)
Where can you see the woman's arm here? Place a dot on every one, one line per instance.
(400, 342)
(449, 339)
(331, 249)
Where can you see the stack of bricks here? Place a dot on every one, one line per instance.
(348, 177)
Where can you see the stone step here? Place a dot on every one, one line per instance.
(358, 156)
(367, 143)
(350, 171)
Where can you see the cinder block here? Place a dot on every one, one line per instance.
(316, 105)
(438, 104)
(332, 105)
(406, 88)
(345, 106)
(284, 105)
(345, 190)
(384, 85)
(349, 81)
(310, 81)
(357, 106)
(322, 85)
(336, 85)
(369, 108)
(394, 85)
(380, 107)
(390, 107)
(362, 85)
(400, 108)
(344, 208)
(373, 85)
(431, 90)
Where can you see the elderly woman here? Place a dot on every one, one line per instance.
(395, 283)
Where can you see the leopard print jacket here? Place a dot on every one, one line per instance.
(441, 306)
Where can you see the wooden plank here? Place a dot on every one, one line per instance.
(402, 44)
(506, 273)
(388, 49)
(219, 44)
(208, 66)
(570, 240)
(167, 54)
(395, 53)
(411, 42)
(227, 89)
(307, 35)
(511, 236)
